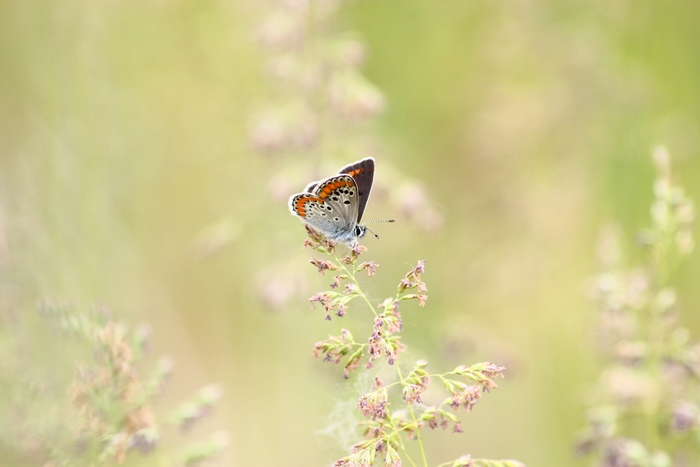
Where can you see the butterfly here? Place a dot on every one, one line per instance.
(334, 206)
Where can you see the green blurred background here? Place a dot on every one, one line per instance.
(128, 178)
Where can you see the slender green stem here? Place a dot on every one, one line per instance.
(413, 418)
(656, 335)
(351, 275)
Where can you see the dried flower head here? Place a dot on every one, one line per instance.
(373, 404)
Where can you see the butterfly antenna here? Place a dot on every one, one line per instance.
(386, 220)
(372, 232)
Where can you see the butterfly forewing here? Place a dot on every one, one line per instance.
(363, 173)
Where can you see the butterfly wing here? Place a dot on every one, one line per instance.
(363, 173)
(331, 207)
(310, 187)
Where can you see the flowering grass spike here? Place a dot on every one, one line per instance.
(394, 412)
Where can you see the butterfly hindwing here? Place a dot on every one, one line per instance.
(331, 207)
(312, 210)
(310, 187)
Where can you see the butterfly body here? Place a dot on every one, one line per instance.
(334, 206)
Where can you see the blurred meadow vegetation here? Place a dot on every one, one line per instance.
(138, 174)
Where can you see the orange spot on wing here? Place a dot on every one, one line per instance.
(328, 189)
(300, 206)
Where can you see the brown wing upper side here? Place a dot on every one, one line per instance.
(363, 173)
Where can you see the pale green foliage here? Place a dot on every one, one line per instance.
(648, 409)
